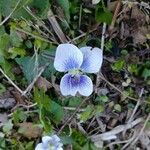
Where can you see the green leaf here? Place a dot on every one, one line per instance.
(40, 8)
(7, 7)
(45, 120)
(133, 68)
(2, 30)
(102, 99)
(15, 38)
(103, 15)
(16, 51)
(51, 109)
(118, 65)
(72, 101)
(2, 88)
(50, 70)
(86, 146)
(79, 138)
(29, 145)
(90, 111)
(117, 107)
(8, 127)
(29, 67)
(2, 143)
(66, 140)
(90, 146)
(7, 67)
(146, 73)
(19, 116)
(4, 44)
(65, 6)
(57, 112)
(39, 97)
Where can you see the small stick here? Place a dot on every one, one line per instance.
(136, 107)
(122, 142)
(28, 89)
(145, 123)
(112, 134)
(34, 36)
(23, 93)
(80, 15)
(24, 106)
(115, 15)
(82, 35)
(56, 27)
(102, 48)
(103, 36)
(10, 13)
(71, 117)
(73, 108)
(11, 81)
(117, 89)
(41, 22)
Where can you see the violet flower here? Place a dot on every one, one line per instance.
(74, 62)
(50, 143)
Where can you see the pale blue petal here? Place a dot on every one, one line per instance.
(92, 59)
(67, 57)
(46, 140)
(58, 144)
(68, 86)
(59, 148)
(71, 84)
(40, 147)
(54, 141)
(85, 87)
(55, 138)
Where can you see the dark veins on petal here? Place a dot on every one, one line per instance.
(77, 80)
(83, 81)
(71, 63)
(85, 63)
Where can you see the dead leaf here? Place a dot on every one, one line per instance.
(94, 2)
(18, 97)
(7, 103)
(138, 15)
(42, 83)
(112, 6)
(30, 130)
(56, 27)
(139, 35)
(3, 119)
(145, 136)
(102, 91)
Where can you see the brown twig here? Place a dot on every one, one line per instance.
(40, 22)
(142, 129)
(115, 16)
(136, 107)
(102, 48)
(1, 23)
(11, 81)
(56, 27)
(28, 89)
(112, 134)
(71, 117)
(117, 89)
(34, 36)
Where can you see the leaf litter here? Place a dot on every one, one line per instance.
(115, 116)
